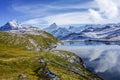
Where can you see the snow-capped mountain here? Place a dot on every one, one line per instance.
(73, 29)
(11, 25)
(51, 28)
(16, 27)
(63, 32)
(101, 32)
(88, 32)
(66, 32)
(58, 32)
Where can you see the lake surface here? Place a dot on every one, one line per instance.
(103, 58)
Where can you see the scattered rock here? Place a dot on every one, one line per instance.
(23, 77)
(56, 78)
(41, 60)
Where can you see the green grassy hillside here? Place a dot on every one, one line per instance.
(29, 41)
(20, 63)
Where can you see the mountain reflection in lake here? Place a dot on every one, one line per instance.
(102, 58)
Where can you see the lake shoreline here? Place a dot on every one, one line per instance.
(91, 40)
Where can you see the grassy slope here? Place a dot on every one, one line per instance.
(16, 61)
(43, 42)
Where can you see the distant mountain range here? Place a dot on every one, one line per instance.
(60, 32)
(109, 32)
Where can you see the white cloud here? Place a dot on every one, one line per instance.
(32, 21)
(38, 8)
(108, 12)
(62, 19)
(39, 22)
(32, 10)
(99, 12)
(69, 18)
(95, 16)
(108, 8)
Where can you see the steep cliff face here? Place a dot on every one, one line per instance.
(26, 56)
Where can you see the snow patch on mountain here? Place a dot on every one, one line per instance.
(17, 28)
(51, 28)
(11, 25)
(104, 32)
(56, 31)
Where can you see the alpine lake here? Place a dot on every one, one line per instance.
(103, 58)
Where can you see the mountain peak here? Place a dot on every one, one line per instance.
(51, 28)
(54, 25)
(11, 25)
(71, 27)
(13, 21)
(15, 24)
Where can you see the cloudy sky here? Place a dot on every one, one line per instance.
(63, 12)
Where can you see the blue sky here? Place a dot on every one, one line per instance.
(63, 12)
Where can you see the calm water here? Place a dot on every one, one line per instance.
(101, 57)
